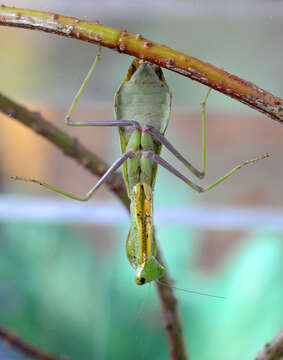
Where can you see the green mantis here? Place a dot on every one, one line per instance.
(142, 108)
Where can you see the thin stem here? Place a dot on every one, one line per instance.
(26, 348)
(171, 315)
(135, 45)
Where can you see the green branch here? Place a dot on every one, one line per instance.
(135, 45)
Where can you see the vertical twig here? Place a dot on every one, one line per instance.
(171, 316)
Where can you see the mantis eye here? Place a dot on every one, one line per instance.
(140, 281)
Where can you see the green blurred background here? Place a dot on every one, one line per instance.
(65, 283)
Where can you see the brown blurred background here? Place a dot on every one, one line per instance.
(43, 72)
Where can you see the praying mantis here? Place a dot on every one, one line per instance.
(142, 107)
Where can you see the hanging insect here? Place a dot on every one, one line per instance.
(142, 108)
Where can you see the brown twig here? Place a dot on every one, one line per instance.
(135, 45)
(72, 148)
(171, 315)
(273, 350)
(26, 348)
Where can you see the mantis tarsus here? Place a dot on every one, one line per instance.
(142, 110)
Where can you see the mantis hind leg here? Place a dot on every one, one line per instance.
(159, 160)
(78, 95)
(81, 90)
(203, 120)
(92, 191)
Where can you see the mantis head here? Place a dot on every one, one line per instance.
(148, 271)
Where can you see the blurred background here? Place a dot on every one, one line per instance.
(65, 283)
